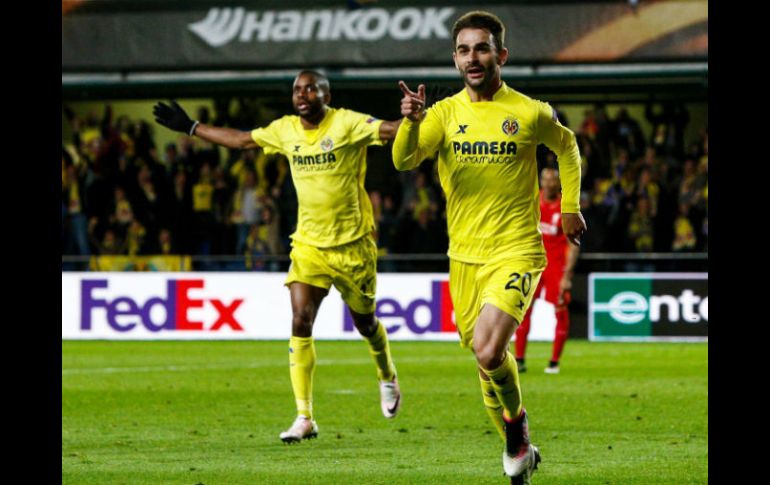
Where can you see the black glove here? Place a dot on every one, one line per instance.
(174, 118)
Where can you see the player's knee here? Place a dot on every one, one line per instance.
(302, 322)
(365, 323)
(487, 355)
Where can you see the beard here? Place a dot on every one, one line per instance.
(478, 84)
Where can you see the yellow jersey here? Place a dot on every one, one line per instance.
(328, 166)
(488, 170)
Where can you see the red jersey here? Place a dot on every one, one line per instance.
(554, 240)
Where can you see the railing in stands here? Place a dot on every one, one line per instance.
(390, 263)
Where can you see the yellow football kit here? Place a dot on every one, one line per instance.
(488, 170)
(332, 243)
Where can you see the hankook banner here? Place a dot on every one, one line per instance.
(253, 35)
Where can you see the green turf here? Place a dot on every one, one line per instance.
(210, 413)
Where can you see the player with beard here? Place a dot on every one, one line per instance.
(333, 243)
(486, 137)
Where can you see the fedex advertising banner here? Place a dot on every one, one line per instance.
(648, 306)
(224, 306)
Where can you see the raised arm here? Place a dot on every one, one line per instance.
(414, 143)
(174, 118)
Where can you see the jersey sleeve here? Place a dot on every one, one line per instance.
(562, 141)
(268, 137)
(363, 129)
(417, 141)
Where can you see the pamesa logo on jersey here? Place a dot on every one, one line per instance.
(510, 126)
(327, 144)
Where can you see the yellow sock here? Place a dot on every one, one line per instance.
(379, 349)
(493, 406)
(505, 381)
(301, 367)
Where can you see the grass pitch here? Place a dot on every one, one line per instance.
(210, 413)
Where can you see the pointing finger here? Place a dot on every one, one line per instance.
(404, 88)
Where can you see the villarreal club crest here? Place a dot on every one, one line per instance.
(510, 126)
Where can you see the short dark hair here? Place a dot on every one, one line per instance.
(320, 79)
(479, 19)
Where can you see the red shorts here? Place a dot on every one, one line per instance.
(550, 282)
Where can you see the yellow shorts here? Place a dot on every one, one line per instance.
(508, 283)
(351, 268)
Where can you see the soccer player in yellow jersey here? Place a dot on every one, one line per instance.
(333, 243)
(486, 137)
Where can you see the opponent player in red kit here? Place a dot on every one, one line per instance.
(557, 277)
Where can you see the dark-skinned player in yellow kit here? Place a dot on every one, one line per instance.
(486, 137)
(333, 243)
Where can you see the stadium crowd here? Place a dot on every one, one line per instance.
(123, 195)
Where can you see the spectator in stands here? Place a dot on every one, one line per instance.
(75, 220)
(269, 228)
(419, 197)
(668, 128)
(135, 238)
(247, 162)
(589, 128)
(170, 157)
(254, 250)
(688, 190)
(684, 234)
(602, 137)
(166, 244)
(148, 202)
(178, 213)
(426, 235)
(648, 189)
(245, 209)
(222, 242)
(203, 211)
(627, 134)
(122, 213)
(110, 244)
(592, 166)
(640, 228)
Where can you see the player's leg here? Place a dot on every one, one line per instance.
(492, 404)
(551, 281)
(466, 302)
(308, 281)
(355, 266)
(305, 302)
(494, 330)
(560, 337)
(506, 293)
(376, 336)
(522, 333)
